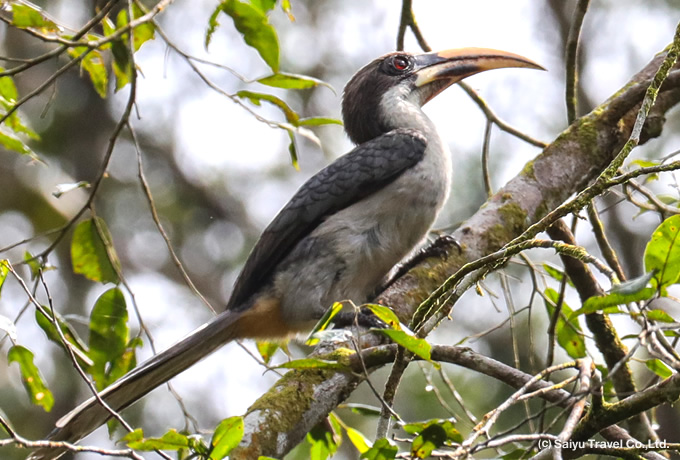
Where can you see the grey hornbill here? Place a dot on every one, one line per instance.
(343, 230)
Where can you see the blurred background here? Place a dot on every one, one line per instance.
(218, 176)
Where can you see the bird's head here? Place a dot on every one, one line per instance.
(398, 77)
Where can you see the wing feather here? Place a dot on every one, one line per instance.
(352, 177)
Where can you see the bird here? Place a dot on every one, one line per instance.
(341, 234)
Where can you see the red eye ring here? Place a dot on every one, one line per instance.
(400, 63)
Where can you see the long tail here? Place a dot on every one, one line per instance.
(153, 373)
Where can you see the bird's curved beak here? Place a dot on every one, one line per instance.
(451, 66)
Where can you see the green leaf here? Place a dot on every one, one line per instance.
(143, 32)
(659, 368)
(94, 65)
(323, 323)
(292, 150)
(122, 64)
(263, 5)
(78, 346)
(318, 121)
(89, 253)
(257, 98)
(253, 25)
(4, 271)
(608, 388)
(361, 409)
(358, 440)
(660, 316)
(288, 9)
(447, 425)
(383, 449)
(291, 81)
(108, 335)
(324, 440)
(386, 315)
(431, 438)
(556, 274)
(227, 435)
(25, 15)
(31, 378)
(662, 254)
(8, 91)
(569, 335)
(312, 363)
(266, 349)
(415, 345)
(133, 436)
(34, 264)
(172, 440)
(12, 143)
(605, 302)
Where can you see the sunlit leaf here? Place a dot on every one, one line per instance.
(662, 254)
(323, 323)
(172, 440)
(415, 345)
(312, 363)
(382, 449)
(93, 63)
(8, 91)
(254, 25)
(263, 5)
(26, 15)
(357, 439)
(4, 271)
(266, 349)
(227, 435)
(291, 81)
(318, 121)
(31, 378)
(89, 253)
(324, 440)
(257, 98)
(385, 314)
(659, 368)
(361, 409)
(288, 9)
(33, 263)
(143, 32)
(15, 144)
(660, 316)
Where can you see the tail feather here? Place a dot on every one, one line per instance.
(149, 375)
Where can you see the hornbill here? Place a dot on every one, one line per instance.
(342, 232)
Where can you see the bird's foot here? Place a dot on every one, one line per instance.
(439, 248)
(363, 318)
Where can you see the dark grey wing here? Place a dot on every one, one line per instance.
(352, 177)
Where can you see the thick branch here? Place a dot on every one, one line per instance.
(301, 399)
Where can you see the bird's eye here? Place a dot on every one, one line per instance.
(400, 63)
